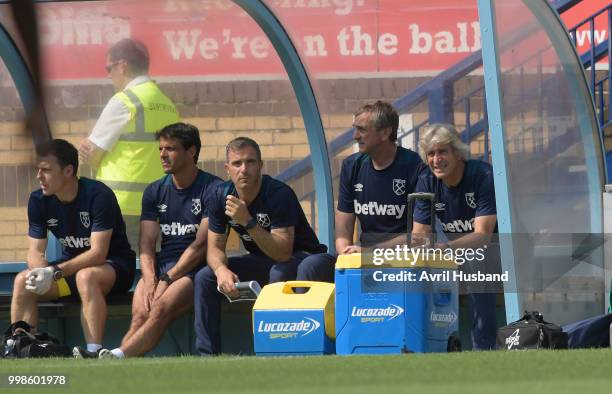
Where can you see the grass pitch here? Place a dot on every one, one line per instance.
(575, 372)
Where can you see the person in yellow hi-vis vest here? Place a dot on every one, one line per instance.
(122, 145)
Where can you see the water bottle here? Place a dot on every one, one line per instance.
(10, 344)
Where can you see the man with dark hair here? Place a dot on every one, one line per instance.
(96, 256)
(188, 136)
(374, 185)
(465, 206)
(121, 145)
(270, 221)
(175, 208)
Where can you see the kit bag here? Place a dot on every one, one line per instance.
(531, 332)
(19, 342)
(589, 333)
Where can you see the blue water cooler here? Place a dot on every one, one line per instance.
(374, 316)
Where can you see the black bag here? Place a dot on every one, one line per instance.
(18, 342)
(588, 333)
(531, 332)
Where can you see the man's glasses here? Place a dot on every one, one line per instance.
(109, 67)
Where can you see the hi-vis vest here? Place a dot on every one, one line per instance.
(134, 161)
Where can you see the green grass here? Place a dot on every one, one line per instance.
(575, 372)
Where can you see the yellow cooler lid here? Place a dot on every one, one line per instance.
(282, 295)
(354, 260)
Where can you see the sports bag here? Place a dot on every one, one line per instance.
(531, 332)
(19, 342)
(588, 333)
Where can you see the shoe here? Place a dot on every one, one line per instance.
(105, 353)
(79, 352)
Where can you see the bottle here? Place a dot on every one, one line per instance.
(8, 349)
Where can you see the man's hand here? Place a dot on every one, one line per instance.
(420, 240)
(441, 245)
(162, 286)
(149, 293)
(39, 280)
(237, 210)
(226, 281)
(351, 249)
(86, 151)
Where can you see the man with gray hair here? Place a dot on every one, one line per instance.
(465, 205)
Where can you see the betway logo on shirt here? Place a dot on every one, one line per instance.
(75, 242)
(178, 228)
(459, 226)
(373, 208)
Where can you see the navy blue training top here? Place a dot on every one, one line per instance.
(94, 209)
(276, 206)
(457, 207)
(378, 197)
(178, 211)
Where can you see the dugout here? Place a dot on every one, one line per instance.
(289, 74)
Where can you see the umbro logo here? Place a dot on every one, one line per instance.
(162, 208)
(52, 222)
(440, 206)
(358, 187)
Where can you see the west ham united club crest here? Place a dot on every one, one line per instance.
(399, 186)
(470, 200)
(196, 206)
(263, 219)
(85, 219)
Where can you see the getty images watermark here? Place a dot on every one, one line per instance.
(440, 265)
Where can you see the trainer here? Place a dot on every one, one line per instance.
(270, 221)
(96, 256)
(465, 205)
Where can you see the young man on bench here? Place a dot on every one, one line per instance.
(96, 256)
(173, 209)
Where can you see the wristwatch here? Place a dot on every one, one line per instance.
(166, 278)
(57, 273)
(251, 223)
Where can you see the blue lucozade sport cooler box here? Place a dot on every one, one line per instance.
(288, 323)
(374, 316)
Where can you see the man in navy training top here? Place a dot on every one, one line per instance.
(174, 206)
(465, 205)
(374, 185)
(270, 221)
(96, 257)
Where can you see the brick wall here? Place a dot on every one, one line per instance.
(264, 110)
